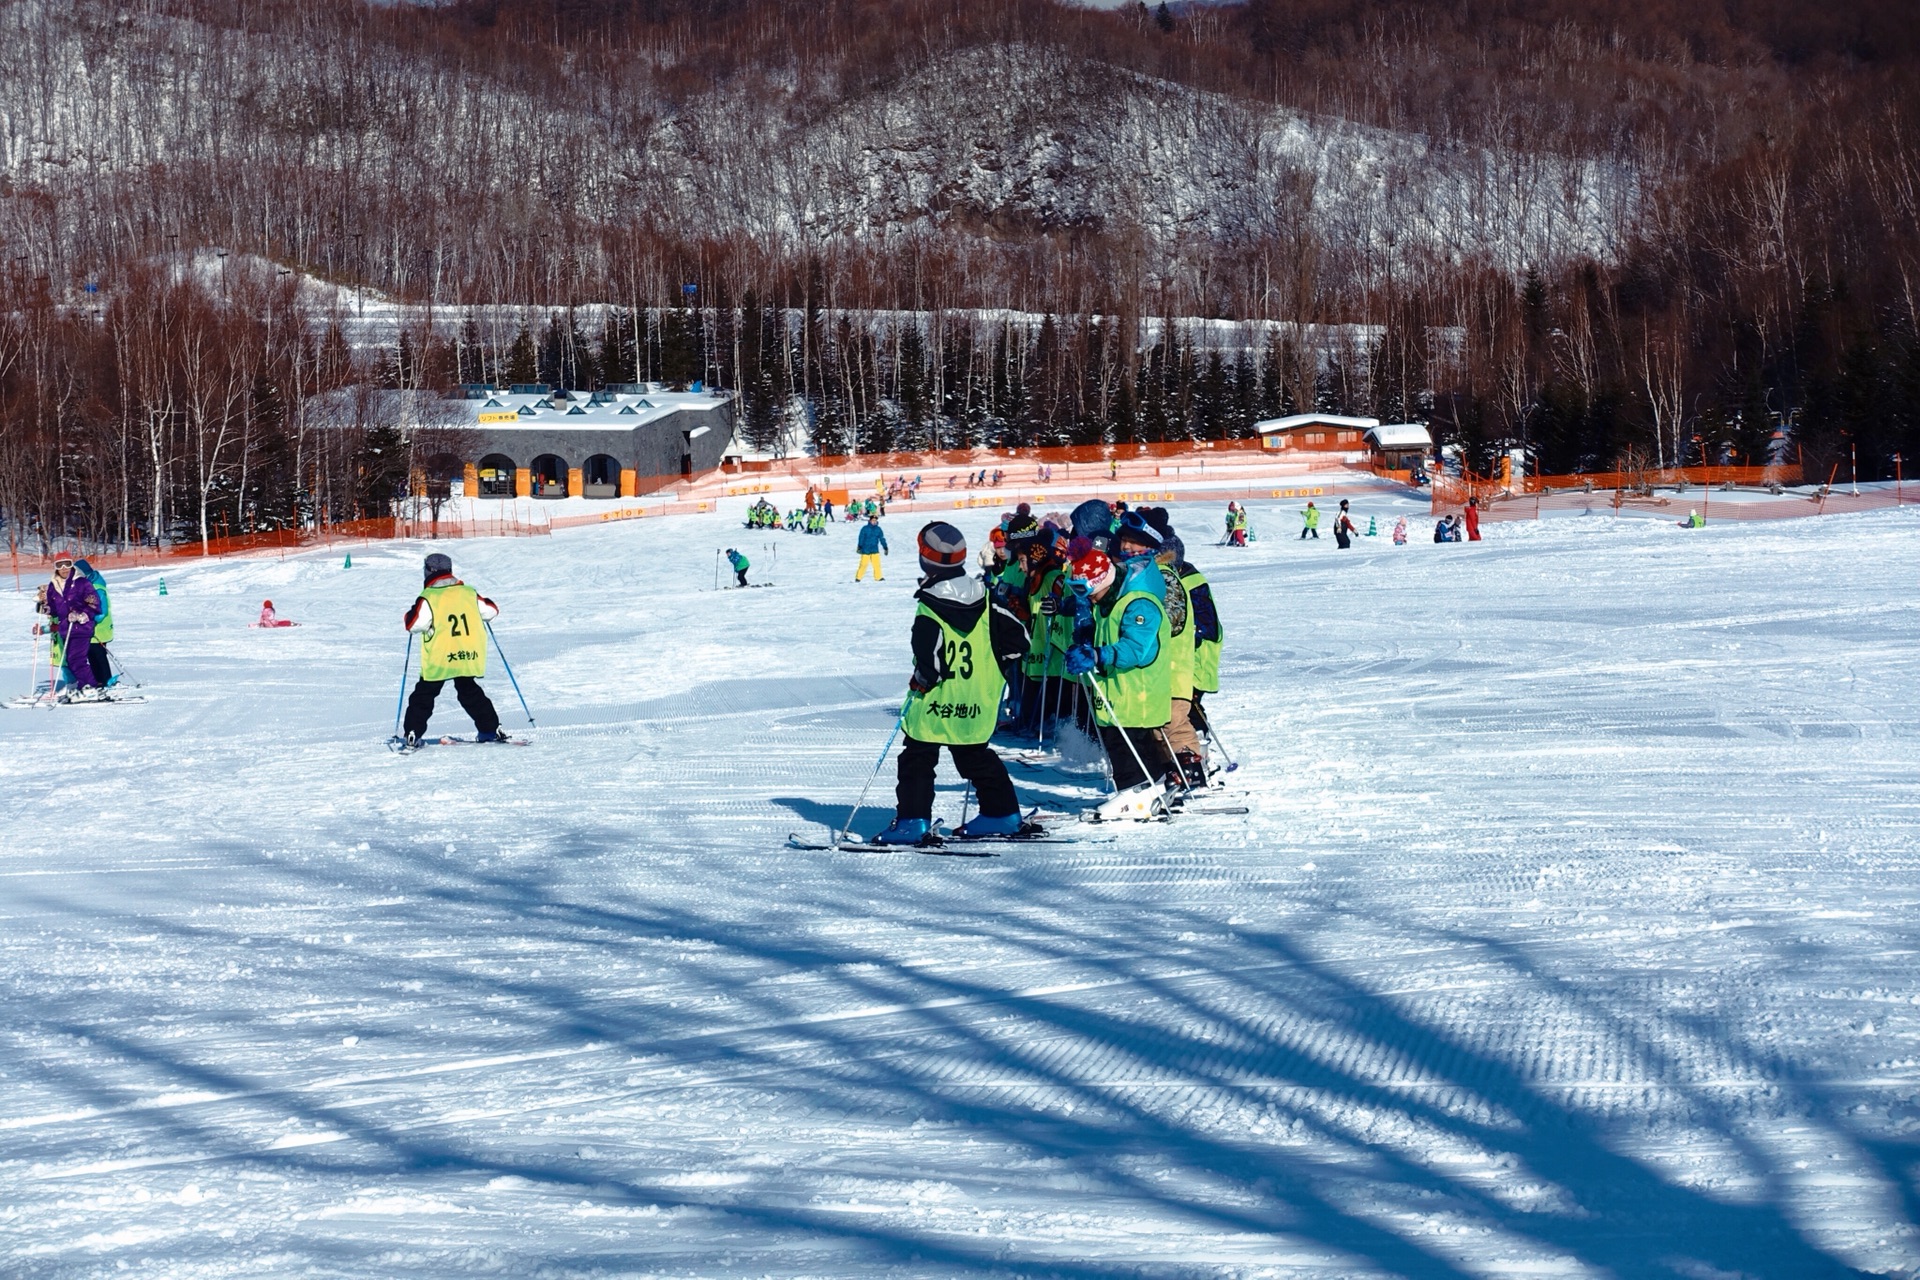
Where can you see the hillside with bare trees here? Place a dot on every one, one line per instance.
(1680, 232)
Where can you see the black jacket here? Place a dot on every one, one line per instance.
(959, 601)
(1206, 619)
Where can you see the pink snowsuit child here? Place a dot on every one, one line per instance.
(268, 619)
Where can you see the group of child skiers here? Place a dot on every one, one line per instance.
(764, 515)
(1100, 622)
(815, 517)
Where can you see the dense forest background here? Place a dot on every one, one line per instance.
(1664, 231)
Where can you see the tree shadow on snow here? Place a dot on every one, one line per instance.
(1083, 1048)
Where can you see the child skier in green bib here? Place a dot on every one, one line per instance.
(963, 644)
(449, 617)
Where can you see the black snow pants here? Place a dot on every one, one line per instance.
(1151, 746)
(473, 701)
(980, 765)
(101, 664)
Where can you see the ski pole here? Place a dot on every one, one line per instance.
(885, 751)
(1186, 779)
(1046, 656)
(114, 663)
(1206, 727)
(33, 667)
(509, 666)
(1040, 742)
(1113, 716)
(66, 655)
(716, 568)
(405, 662)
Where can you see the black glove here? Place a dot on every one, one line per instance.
(1050, 605)
(917, 685)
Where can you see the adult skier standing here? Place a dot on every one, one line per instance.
(72, 606)
(963, 646)
(872, 545)
(449, 616)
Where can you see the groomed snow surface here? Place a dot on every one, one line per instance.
(1572, 931)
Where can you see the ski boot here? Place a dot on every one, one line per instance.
(1194, 766)
(908, 831)
(1144, 803)
(981, 827)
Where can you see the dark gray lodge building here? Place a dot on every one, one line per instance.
(530, 442)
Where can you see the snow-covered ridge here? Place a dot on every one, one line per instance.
(987, 143)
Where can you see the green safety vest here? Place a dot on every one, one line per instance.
(1312, 515)
(1181, 661)
(1206, 653)
(964, 708)
(1047, 642)
(1141, 698)
(454, 647)
(103, 625)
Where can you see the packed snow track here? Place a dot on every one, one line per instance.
(1572, 931)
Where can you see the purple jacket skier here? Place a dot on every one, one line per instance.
(73, 606)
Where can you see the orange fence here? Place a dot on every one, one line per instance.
(1006, 459)
(1453, 491)
(1717, 493)
(345, 534)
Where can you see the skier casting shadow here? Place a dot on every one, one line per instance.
(448, 615)
(962, 646)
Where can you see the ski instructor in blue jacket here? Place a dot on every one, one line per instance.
(873, 545)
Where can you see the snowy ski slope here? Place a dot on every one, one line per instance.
(1573, 930)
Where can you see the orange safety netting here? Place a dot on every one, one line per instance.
(344, 533)
(1453, 491)
(1716, 493)
(1045, 455)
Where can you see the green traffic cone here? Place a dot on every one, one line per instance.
(1372, 532)
(349, 563)
(163, 586)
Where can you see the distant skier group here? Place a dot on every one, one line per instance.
(809, 519)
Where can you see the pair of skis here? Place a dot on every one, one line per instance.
(400, 746)
(47, 701)
(937, 841)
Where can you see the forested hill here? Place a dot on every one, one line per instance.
(1653, 224)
